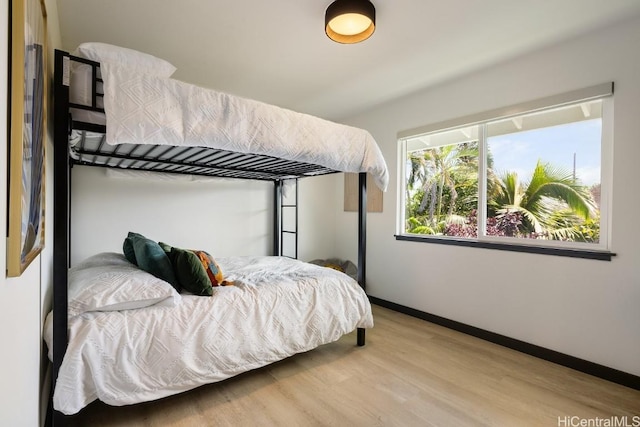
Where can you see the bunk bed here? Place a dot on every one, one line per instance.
(233, 147)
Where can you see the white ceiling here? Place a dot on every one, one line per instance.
(276, 51)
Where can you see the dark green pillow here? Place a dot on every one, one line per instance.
(166, 248)
(151, 258)
(127, 247)
(190, 272)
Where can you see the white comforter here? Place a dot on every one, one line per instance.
(145, 109)
(277, 308)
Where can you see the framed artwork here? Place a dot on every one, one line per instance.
(27, 134)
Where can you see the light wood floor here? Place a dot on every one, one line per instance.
(410, 373)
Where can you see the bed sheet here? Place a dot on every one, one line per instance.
(278, 307)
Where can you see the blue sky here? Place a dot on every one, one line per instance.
(519, 152)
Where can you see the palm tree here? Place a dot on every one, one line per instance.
(551, 204)
(435, 178)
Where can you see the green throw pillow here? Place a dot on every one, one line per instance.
(127, 247)
(151, 258)
(166, 248)
(190, 273)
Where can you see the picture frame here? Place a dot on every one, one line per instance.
(28, 134)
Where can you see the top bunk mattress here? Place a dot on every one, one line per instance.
(143, 108)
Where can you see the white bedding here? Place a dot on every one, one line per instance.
(146, 109)
(277, 308)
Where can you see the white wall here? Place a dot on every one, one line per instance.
(317, 217)
(584, 308)
(223, 217)
(24, 389)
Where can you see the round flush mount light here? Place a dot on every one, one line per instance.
(350, 21)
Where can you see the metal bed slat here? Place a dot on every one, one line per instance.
(200, 151)
(209, 174)
(117, 148)
(254, 163)
(299, 170)
(149, 150)
(163, 168)
(83, 140)
(169, 148)
(218, 156)
(126, 156)
(237, 163)
(103, 140)
(182, 151)
(205, 157)
(100, 144)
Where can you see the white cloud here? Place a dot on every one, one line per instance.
(589, 175)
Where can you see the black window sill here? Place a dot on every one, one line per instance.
(574, 253)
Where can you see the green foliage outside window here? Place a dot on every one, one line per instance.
(442, 198)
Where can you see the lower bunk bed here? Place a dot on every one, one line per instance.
(276, 307)
(120, 352)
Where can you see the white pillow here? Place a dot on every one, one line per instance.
(102, 259)
(108, 282)
(102, 52)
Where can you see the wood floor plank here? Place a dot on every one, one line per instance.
(410, 373)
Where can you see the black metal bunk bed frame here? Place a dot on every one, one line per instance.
(168, 159)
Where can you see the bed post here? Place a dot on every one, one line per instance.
(277, 219)
(61, 227)
(362, 240)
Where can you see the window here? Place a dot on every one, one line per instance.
(532, 175)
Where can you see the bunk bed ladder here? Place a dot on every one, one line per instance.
(285, 220)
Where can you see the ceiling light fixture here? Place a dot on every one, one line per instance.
(350, 21)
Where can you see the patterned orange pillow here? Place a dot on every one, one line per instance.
(212, 269)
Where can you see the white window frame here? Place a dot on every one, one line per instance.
(602, 92)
